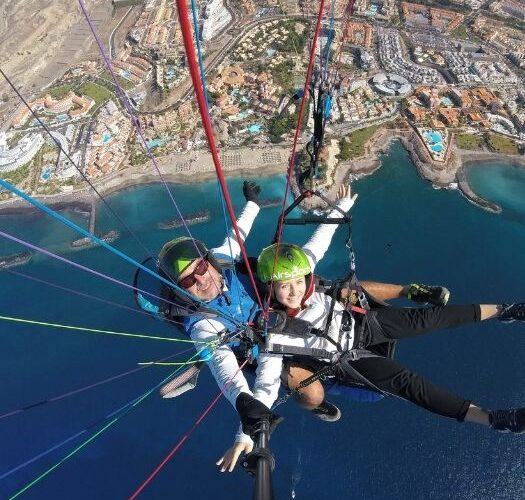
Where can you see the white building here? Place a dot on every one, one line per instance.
(22, 153)
(216, 18)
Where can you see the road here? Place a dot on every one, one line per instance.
(112, 36)
(210, 64)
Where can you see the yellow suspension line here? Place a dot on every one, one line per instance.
(96, 330)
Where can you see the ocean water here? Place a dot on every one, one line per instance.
(502, 184)
(403, 231)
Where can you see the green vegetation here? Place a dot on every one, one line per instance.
(19, 175)
(469, 141)
(125, 84)
(48, 148)
(463, 33)
(14, 140)
(353, 145)
(125, 3)
(279, 125)
(502, 144)
(138, 158)
(98, 93)
(294, 42)
(60, 92)
(283, 77)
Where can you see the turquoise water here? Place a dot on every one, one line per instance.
(255, 128)
(155, 143)
(106, 138)
(505, 185)
(437, 147)
(446, 101)
(403, 231)
(433, 137)
(46, 174)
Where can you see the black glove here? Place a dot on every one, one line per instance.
(252, 412)
(251, 191)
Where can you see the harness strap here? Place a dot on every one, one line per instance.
(345, 366)
(298, 351)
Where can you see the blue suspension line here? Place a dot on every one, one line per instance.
(329, 40)
(205, 89)
(107, 246)
(199, 49)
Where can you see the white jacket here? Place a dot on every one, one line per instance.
(223, 363)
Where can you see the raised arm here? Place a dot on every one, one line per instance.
(230, 249)
(318, 244)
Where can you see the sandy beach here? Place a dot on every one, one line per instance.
(197, 166)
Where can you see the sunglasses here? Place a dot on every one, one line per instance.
(189, 281)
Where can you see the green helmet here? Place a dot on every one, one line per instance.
(291, 262)
(176, 255)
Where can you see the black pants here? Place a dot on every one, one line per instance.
(394, 378)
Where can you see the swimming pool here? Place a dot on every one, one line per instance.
(106, 138)
(433, 137)
(154, 143)
(255, 128)
(437, 148)
(46, 174)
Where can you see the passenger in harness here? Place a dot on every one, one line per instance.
(211, 278)
(351, 353)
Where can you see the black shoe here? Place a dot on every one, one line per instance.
(512, 312)
(508, 420)
(327, 411)
(436, 295)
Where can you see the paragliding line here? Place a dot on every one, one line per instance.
(96, 330)
(92, 271)
(124, 409)
(184, 438)
(59, 146)
(134, 120)
(194, 71)
(87, 387)
(87, 295)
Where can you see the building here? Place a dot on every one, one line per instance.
(72, 104)
(22, 153)
(391, 84)
(359, 34)
(216, 18)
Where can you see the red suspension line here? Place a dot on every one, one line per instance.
(168, 457)
(206, 122)
(306, 95)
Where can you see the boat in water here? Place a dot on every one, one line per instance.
(191, 220)
(108, 237)
(15, 259)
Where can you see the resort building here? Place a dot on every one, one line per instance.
(216, 18)
(359, 34)
(73, 105)
(22, 153)
(391, 85)
(422, 16)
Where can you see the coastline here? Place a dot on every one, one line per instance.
(197, 167)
